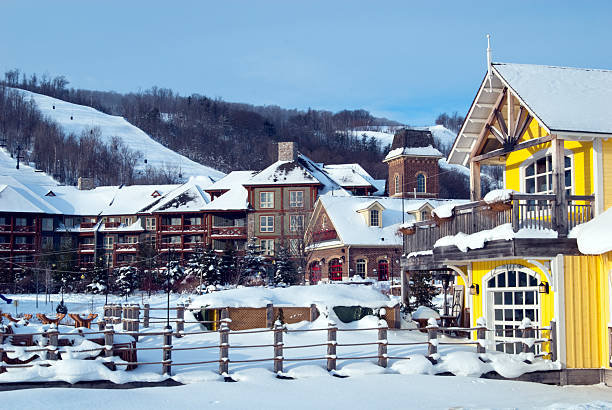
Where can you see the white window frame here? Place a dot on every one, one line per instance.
(294, 201)
(21, 221)
(371, 216)
(540, 154)
(151, 224)
(266, 199)
(47, 224)
(294, 226)
(109, 241)
(268, 227)
(266, 246)
(419, 191)
(294, 247)
(365, 267)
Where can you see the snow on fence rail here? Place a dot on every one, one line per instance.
(110, 349)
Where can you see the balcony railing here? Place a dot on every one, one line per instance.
(6, 228)
(114, 224)
(5, 246)
(193, 245)
(228, 231)
(88, 225)
(24, 228)
(126, 247)
(324, 235)
(23, 247)
(171, 228)
(87, 247)
(198, 228)
(530, 211)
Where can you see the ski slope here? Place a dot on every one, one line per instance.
(443, 137)
(76, 119)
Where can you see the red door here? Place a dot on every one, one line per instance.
(315, 273)
(383, 270)
(335, 269)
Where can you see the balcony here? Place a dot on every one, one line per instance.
(171, 228)
(324, 235)
(164, 246)
(192, 228)
(23, 247)
(126, 247)
(5, 246)
(87, 248)
(88, 225)
(193, 245)
(24, 228)
(112, 225)
(6, 228)
(522, 211)
(229, 231)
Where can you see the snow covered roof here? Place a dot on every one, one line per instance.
(18, 198)
(351, 227)
(564, 101)
(188, 197)
(428, 151)
(232, 180)
(349, 175)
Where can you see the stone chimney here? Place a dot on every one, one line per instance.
(287, 151)
(85, 184)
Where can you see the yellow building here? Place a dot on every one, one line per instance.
(517, 251)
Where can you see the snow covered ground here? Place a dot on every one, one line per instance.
(405, 383)
(76, 119)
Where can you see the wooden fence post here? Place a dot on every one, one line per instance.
(528, 336)
(481, 335)
(125, 317)
(397, 317)
(269, 315)
(432, 336)
(278, 347)
(167, 351)
(382, 343)
(314, 312)
(53, 335)
(553, 341)
(2, 330)
(331, 346)
(180, 319)
(224, 348)
(146, 315)
(108, 313)
(109, 341)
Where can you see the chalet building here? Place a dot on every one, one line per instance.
(413, 171)
(524, 252)
(357, 235)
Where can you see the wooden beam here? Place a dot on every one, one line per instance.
(558, 184)
(510, 103)
(497, 134)
(501, 151)
(481, 137)
(474, 181)
(502, 123)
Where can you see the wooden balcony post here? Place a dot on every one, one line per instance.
(553, 341)
(474, 181)
(558, 186)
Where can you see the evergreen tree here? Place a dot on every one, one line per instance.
(422, 290)
(284, 273)
(174, 274)
(204, 267)
(127, 280)
(99, 278)
(253, 263)
(228, 266)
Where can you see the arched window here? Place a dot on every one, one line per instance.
(360, 266)
(315, 273)
(538, 175)
(397, 184)
(383, 269)
(374, 218)
(335, 269)
(421, 182)
(513, 295)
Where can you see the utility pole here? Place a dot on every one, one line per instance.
(18, 155)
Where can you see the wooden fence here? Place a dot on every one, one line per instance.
(329, 354)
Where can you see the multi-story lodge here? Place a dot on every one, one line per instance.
(516, 250)
(113, 223)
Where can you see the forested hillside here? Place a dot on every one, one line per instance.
(224, 135)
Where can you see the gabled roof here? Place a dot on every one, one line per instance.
(17, 198)
(232, 180)
(564, 101)
(189, 197)
(351, 227)
(350, 175)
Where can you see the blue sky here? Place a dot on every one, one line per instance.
(407, 60)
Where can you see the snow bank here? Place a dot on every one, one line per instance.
(326, 295)
(444, 211)
(423, 312)
(477, 240)
(594, 237)
(498, 195)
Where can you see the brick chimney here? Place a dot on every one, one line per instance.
(85, 184)
(287, 151)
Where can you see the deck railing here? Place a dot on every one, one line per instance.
(523, 211)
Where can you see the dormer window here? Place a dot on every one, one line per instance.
(374, 217)
(421, 183)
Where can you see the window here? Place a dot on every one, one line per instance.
(296, 199)
(172, 239)
(266, 199)
(295, 247)
(21, 240)
(47, 242)
(267, 246)
(151, 224)
(3, 221)
(335, 269)
(315, 273)
(421, 183)
(47, 224)
(68, 222)
(266, 223)
(21, 222)
(538, 175)
(383, 269)
(424, 215)
(374, 218)
(130, 239)
(128, 220)
(324, 222)
(361, 267)
(66, 242)
(109, 241)
(296, 223)
(397, 184)
(176, 221)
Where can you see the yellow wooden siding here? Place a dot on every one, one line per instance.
(582, 153)
(586, 310)
(607, 172)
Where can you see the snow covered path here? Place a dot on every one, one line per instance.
(258, 389)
